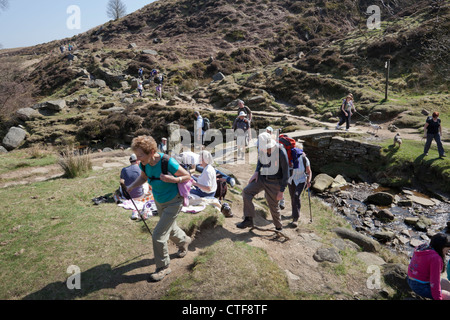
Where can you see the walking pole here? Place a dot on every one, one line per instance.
(127, 195)
(310, 211)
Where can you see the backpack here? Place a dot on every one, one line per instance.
(289, 144)
(183, 188)
(206, 124)
(222, 189)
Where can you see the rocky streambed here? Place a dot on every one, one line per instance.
(399, 219)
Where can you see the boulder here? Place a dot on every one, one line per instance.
(384, 236)
(370, 258)
(14, 138)
(366, 243)
(422, 201)
(380, 198)
(3, 150)
(327, 254)
(26, 114)
(384, 215)
(56, 105)
(339, 181)
(149, 51)
(322, 182)
(218, 76)
(394, 275)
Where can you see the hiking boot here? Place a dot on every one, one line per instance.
(246, 223)
(279, 228)
(425, 154)
(294, 224)
(338, 128)
(442, 155)
(282, 204)
(183, 247)
(159, 274)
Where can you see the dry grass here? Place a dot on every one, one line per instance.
(75, 163)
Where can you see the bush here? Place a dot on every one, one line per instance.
(75, 163)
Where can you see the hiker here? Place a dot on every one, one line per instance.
(62, 48)
(159, 92)
(433, 130)
(346, 112)
(153, 74)
(299, 180)
(205, 185)
(222, 176)
(248, 112)
(127, 176)
(163, 145)
(140, 88)
(198, 127)
(167, 199)
(242, 124)
(141, 73)
(426, 266)
(271, 176)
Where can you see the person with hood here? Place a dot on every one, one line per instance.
(426, 266)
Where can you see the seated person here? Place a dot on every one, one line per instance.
(205, 185)
(129, 174)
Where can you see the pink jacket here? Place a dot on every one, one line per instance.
(426, 266)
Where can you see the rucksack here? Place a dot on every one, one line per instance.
(222, 189)
(288, 144)
(183, 188)
(158, 79)
(206, 124)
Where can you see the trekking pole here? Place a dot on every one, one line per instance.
(128, 196)
(310, 211)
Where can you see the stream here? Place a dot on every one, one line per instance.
(416, 216)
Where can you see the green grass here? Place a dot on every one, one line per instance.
(232, 270)
(21, 158)
(405, 163)
(57, 225)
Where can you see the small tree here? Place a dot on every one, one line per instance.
(116, 9)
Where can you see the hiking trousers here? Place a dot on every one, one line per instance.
(437, 138)
(166, 229)
(295, 191)
(271, 189)
(345, 119)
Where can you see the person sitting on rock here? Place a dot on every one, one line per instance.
(426, 266)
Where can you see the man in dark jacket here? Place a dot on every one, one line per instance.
(271, 176)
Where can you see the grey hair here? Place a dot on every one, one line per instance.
(207, 157)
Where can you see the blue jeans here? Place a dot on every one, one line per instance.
(198, 192)
(422, 289)
(437, 138)
(199, 168)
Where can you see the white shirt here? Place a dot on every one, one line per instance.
(208, 178)
(299, 174)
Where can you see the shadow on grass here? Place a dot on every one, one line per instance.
(95, 279)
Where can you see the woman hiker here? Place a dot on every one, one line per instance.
(346, 112)
(167, 200)
(433, 130)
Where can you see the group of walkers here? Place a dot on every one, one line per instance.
(156, 77)
(276, 170)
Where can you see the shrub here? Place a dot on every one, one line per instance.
(75, 163)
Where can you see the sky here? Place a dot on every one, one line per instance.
(31, 22)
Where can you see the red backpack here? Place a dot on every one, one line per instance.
(288, 144)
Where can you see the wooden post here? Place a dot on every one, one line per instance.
(387, 67)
